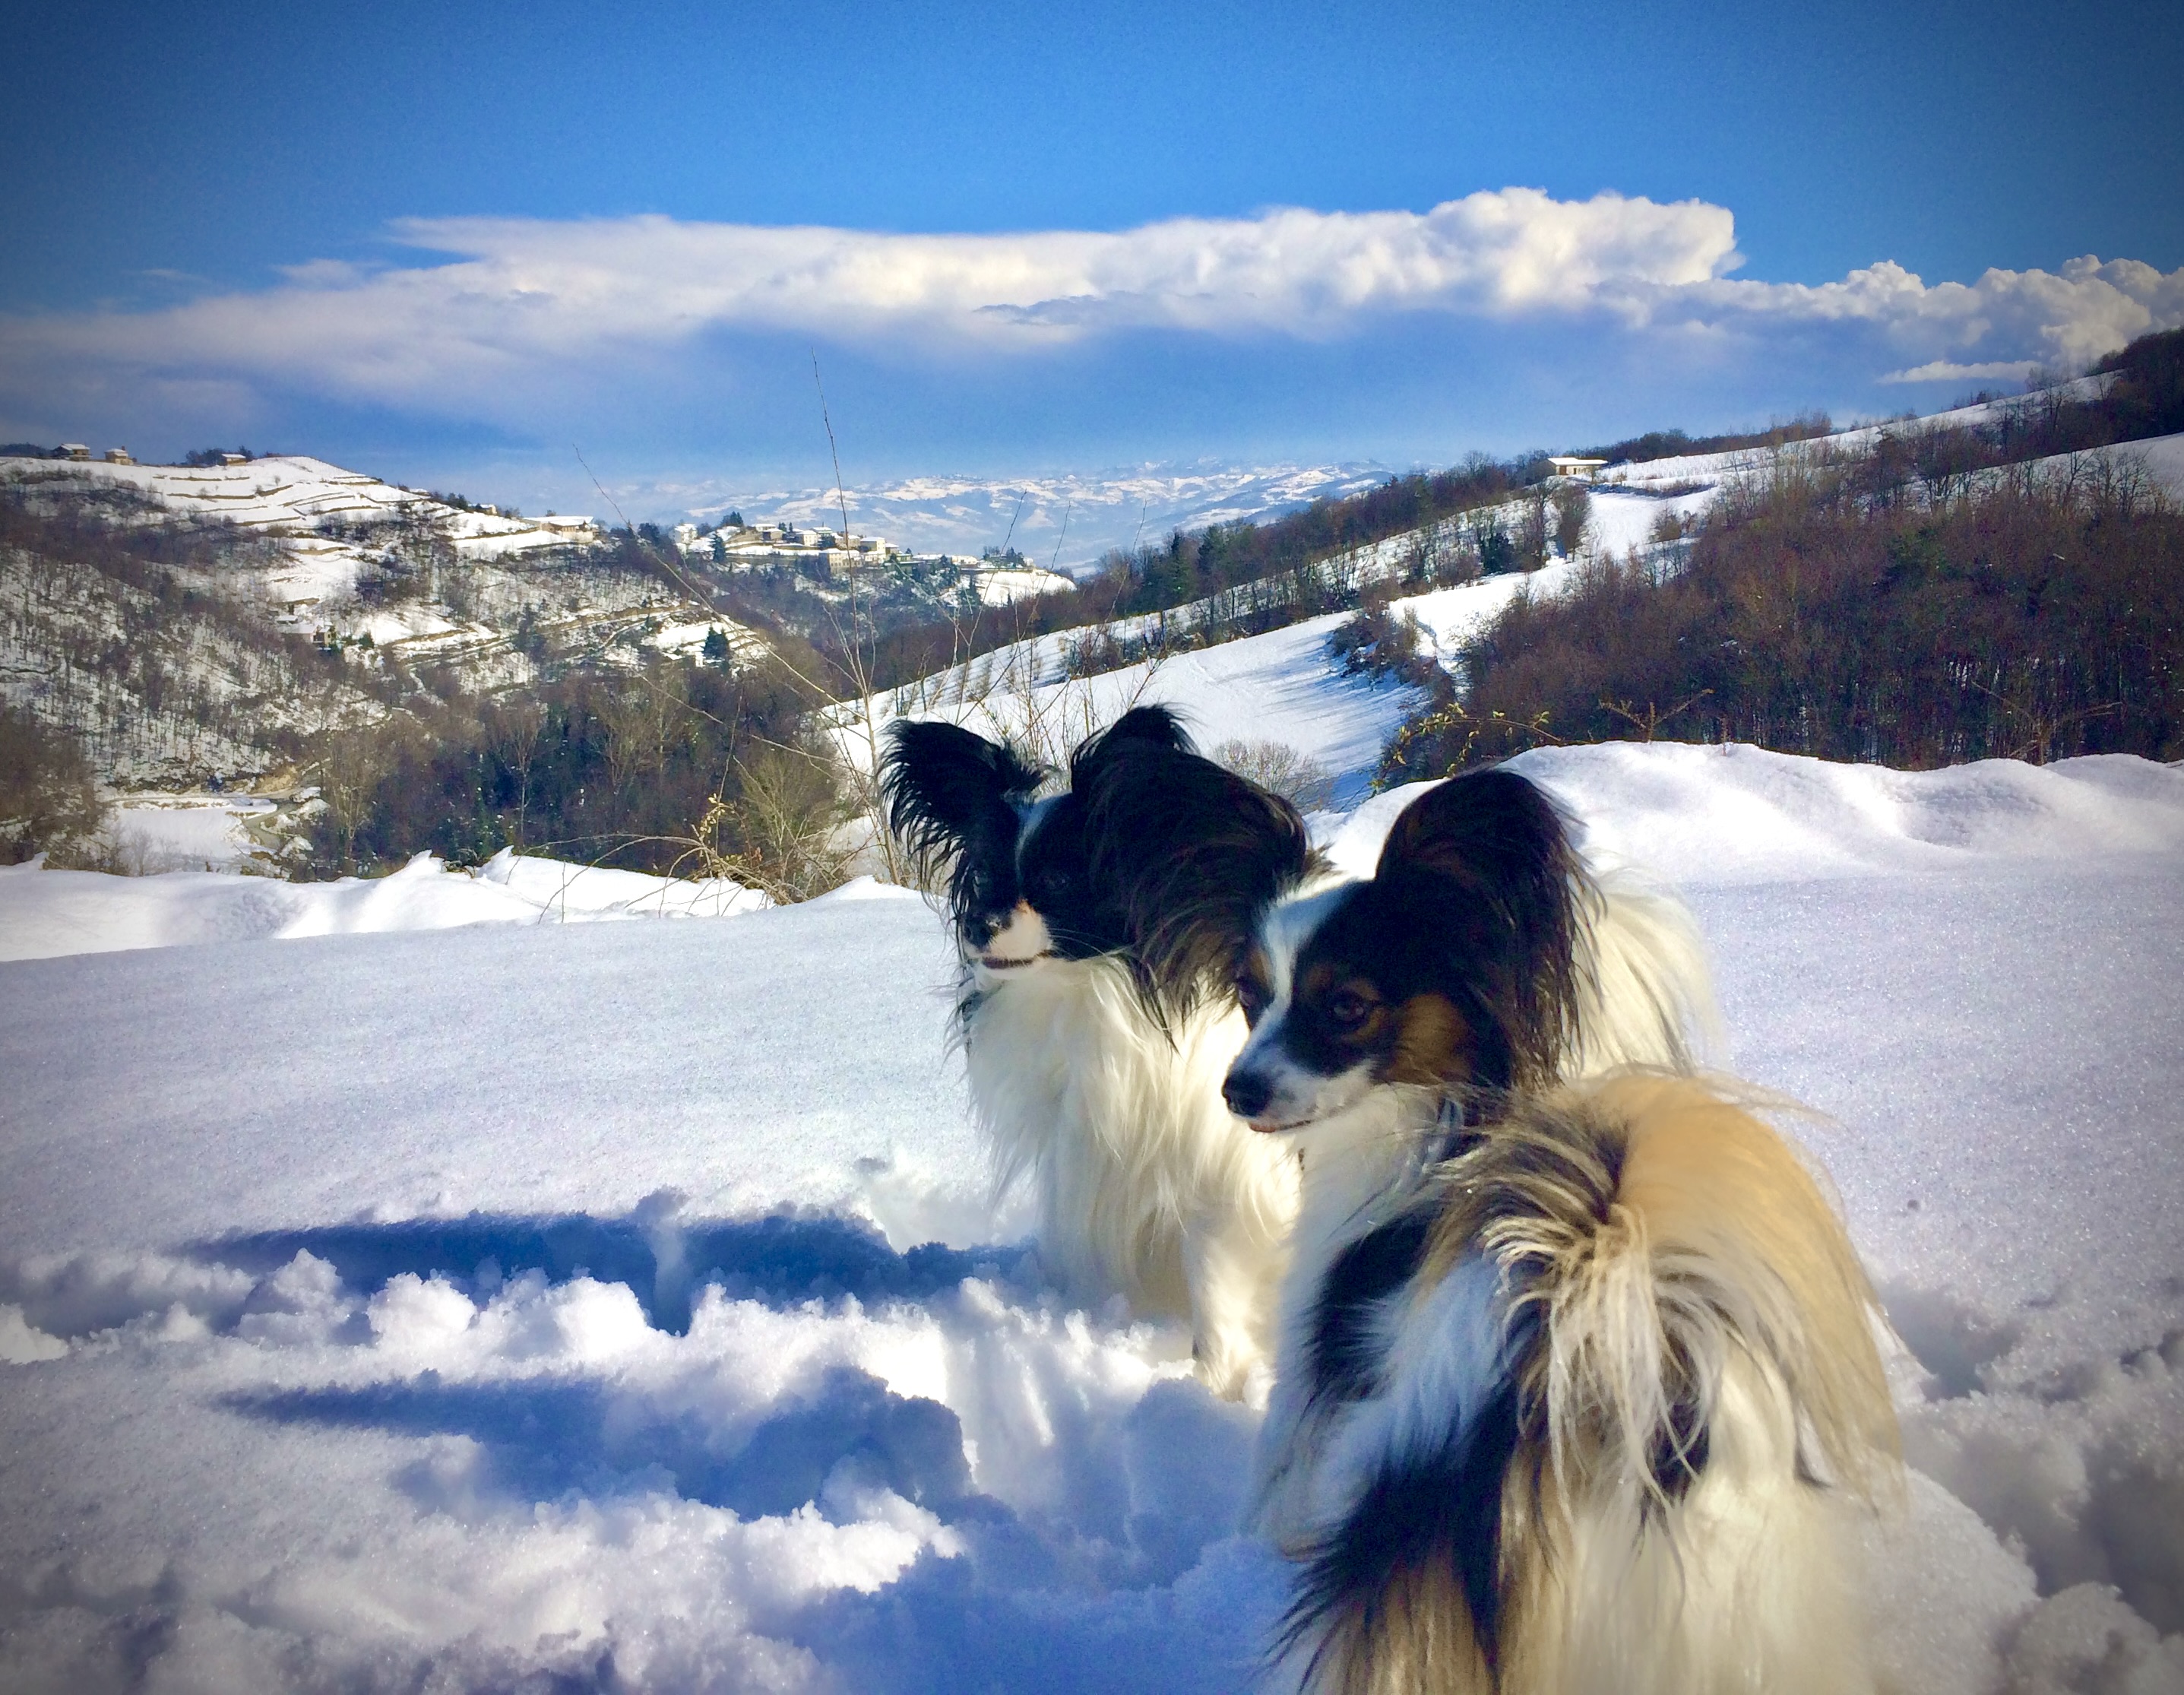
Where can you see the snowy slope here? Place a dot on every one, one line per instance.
(294, 494)
(1278, 686)
(432, 1310)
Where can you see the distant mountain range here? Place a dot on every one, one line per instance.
(1068, 521)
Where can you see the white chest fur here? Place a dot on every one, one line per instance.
(1145, 1185)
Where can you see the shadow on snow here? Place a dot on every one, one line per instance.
(782, 1260)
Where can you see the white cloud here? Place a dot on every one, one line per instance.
(2016, 318)
(522, 311)
(1946, 371)
(520, 296)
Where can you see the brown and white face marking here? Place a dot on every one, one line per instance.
(1342, 999)
(1451, 969)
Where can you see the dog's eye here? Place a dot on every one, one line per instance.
(1250, 998)
(1349, 1009)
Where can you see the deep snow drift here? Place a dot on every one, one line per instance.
(44, 913)
(615, 1305)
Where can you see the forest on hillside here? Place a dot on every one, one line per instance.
(1853, 609)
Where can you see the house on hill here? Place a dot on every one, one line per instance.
(1569, 464)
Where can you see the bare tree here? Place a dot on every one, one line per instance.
(1573, 512)
(347, 766)
(512, 733)
(1532, 528)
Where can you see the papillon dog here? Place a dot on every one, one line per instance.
(1577, 1388)
(1095, 1029)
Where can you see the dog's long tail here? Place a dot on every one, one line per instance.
(1656, 1232)
(1686, 1390)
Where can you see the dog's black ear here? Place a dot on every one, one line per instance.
(1488, 856)
(1193, 855)
(945, 788)
(1140, 728)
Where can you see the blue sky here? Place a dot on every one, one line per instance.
(445, 243)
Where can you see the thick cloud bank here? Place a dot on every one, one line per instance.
(505, 310)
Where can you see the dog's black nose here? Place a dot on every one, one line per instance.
(1246, 1093)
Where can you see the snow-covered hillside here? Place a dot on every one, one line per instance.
(312, 508)
(291, 492)
(218, 677)
(616, 1306)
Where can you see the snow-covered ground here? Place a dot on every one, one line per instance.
(616, 1307)
(1623, 518)
(194, 831)
(294, 501)
(46, 913)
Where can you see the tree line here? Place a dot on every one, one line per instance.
(1831, 609)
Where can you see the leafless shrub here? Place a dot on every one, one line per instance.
(1281, 769)
(789, 816)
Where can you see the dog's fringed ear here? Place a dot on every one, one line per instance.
(1491, 854)
(944, 789)
(1140, 728)
(1193, 855)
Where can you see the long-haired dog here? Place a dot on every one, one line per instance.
(1094, 1038)
(1577, 1381)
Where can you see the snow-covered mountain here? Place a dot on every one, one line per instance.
(1069, 520)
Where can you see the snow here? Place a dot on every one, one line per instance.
(176, 832)
(588, 1306)
(1623, 518)
(1456, 617)
(46, 913)
(1005, 587)
(1701, 815)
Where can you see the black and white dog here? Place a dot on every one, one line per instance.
(1096, 1028)
(1577, 1381)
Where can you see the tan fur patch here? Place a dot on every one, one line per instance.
(1716, 1187)
(1432, 1043)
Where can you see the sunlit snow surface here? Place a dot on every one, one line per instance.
(615, 1305)
(45, 913)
